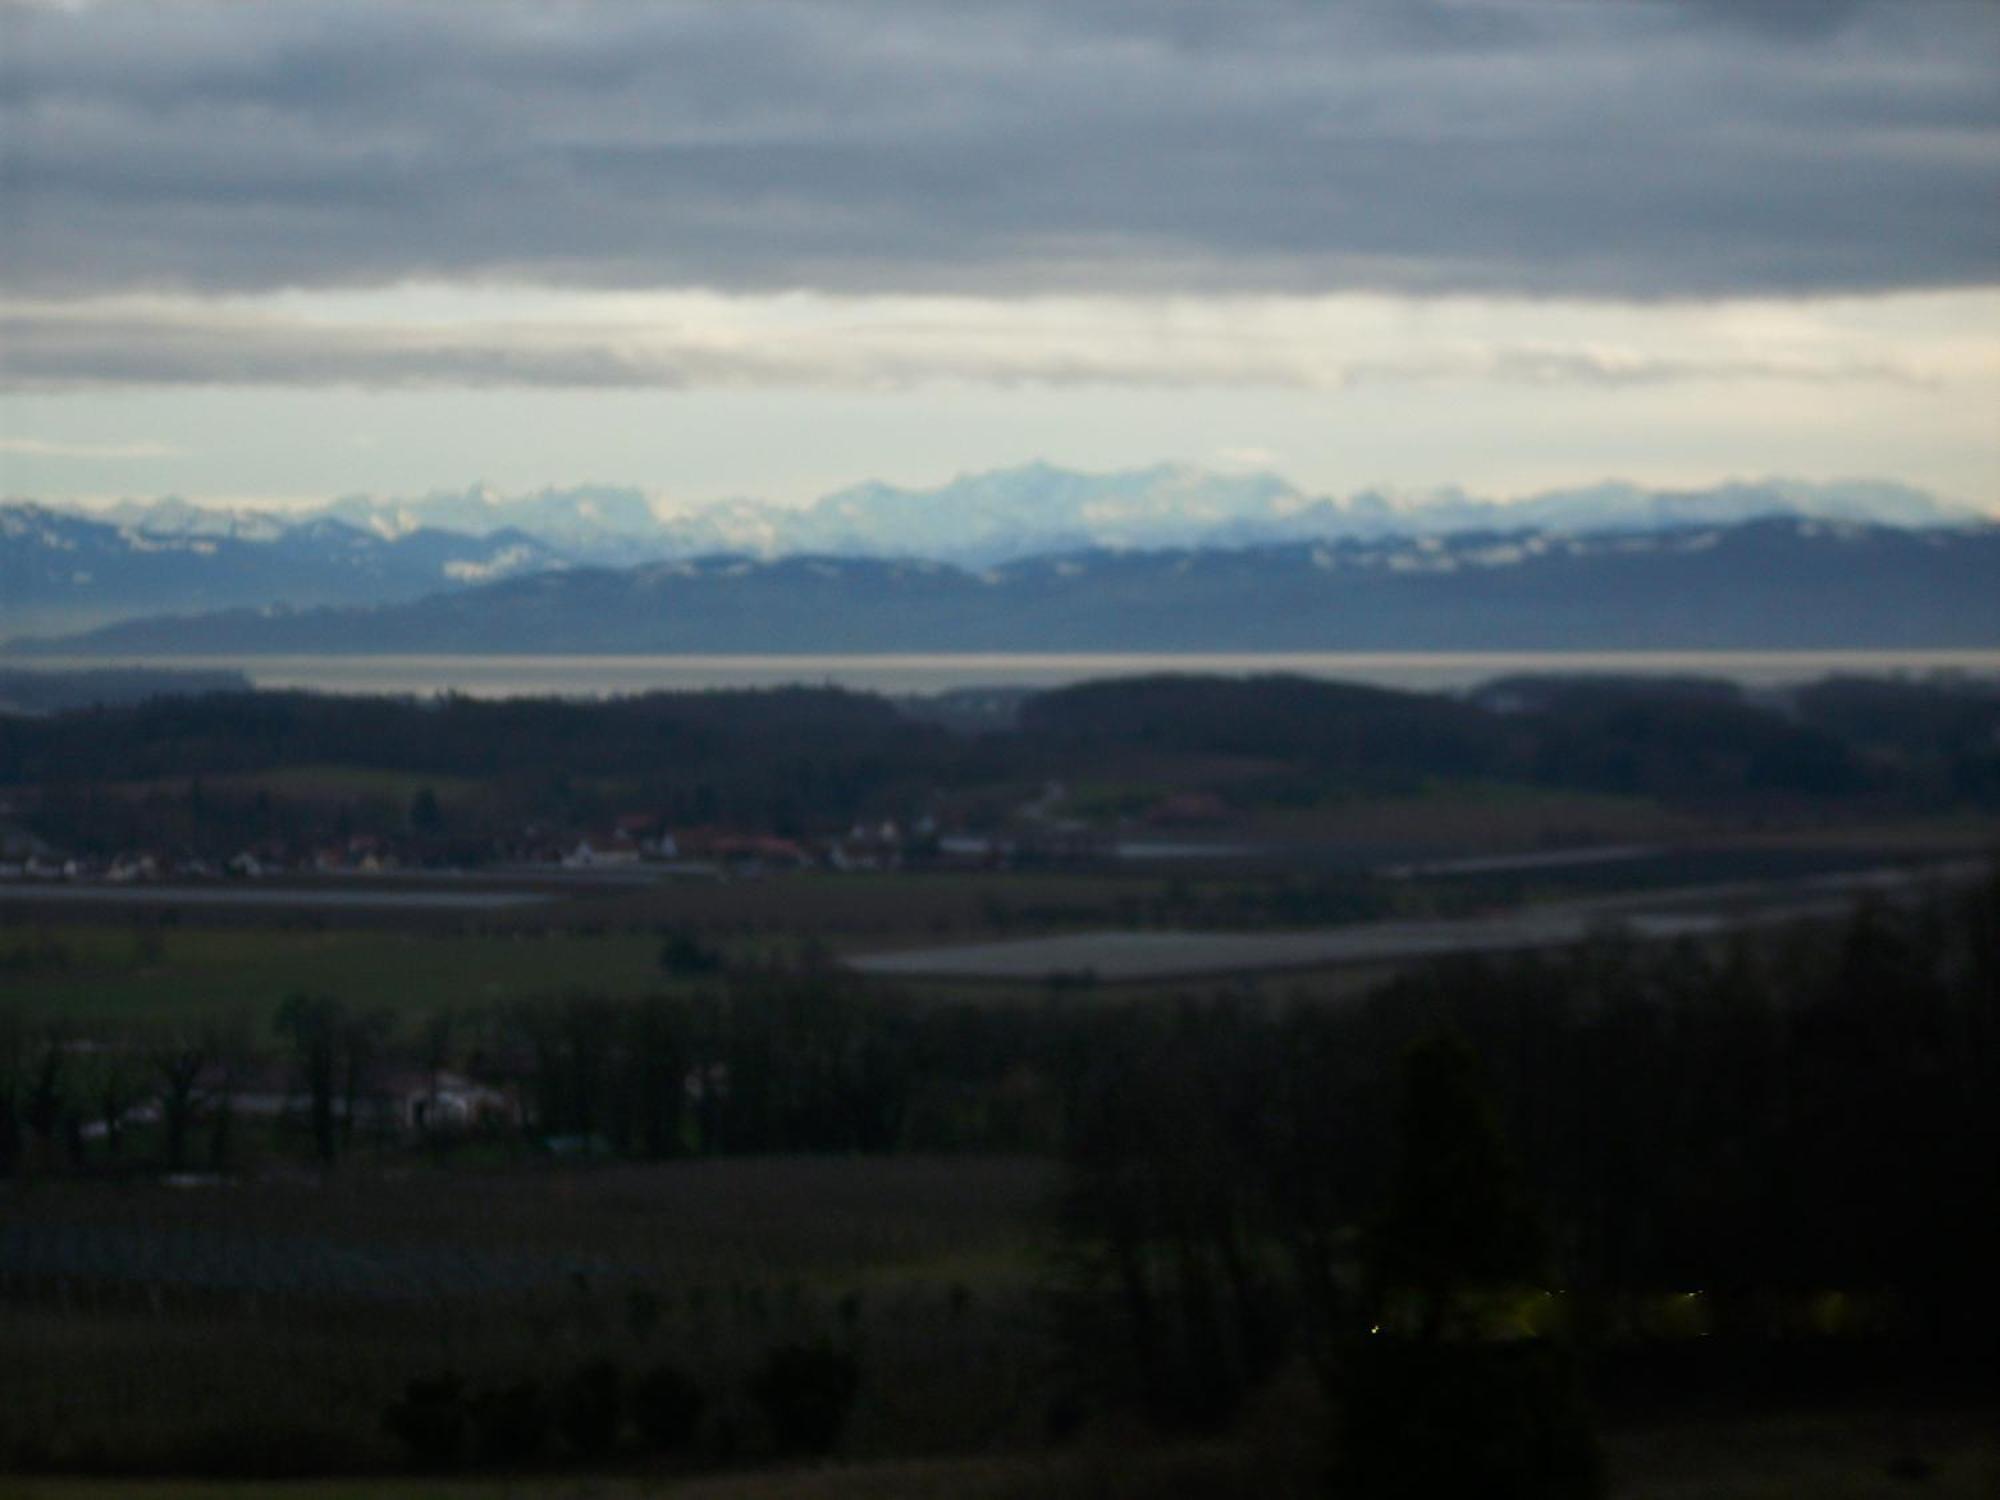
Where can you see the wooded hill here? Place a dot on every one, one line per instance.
(807, 760)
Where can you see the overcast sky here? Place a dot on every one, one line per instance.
(281, 251)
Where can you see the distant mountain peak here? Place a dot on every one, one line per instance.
(63, 570)
(985, 518)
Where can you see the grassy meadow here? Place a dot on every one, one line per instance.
(147, 973)
(206, 1330)
(1845, 1455)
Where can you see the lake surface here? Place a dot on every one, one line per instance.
(591, 676)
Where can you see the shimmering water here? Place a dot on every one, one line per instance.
(590, 676)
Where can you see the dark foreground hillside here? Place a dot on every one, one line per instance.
(1592, 1223)
(636, 1181)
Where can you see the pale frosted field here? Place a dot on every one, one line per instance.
(1131, 957)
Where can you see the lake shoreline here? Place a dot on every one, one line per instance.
(501, 676)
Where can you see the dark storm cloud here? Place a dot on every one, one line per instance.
(1626, 148)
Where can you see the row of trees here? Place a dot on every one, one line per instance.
(780, 1060)
(1691, 1114)
(60, 1085)
(1444, 1196)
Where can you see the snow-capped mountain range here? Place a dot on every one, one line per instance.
(1006, 514)
(1767, 584)
(69, 570)
(64, 571)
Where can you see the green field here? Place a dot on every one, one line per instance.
(105, 973)
(205, 1337)
(140, 964)
(130, 966)
(1838, 1455)
(134, 967)
(1110, 1474)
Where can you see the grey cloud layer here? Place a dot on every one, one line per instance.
(1623, 148)
(56, 347)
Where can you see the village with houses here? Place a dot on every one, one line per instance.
(645, 845)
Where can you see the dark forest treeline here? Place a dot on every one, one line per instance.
(1715, 1166)
(777, 1060)
(1329, 724)
(452, 735)
(805, 760)
(781, 761)
(33, 692)
(1790, 1114)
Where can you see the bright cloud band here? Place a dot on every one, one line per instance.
(441, 337)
